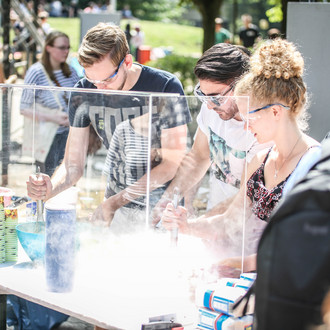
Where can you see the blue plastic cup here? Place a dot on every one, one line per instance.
(60, 248)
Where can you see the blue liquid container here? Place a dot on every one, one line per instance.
(60, 247)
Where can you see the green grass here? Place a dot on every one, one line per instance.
(70, 26)
(181, 39)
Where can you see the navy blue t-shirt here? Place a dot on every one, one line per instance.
(113, 115)
(105, 111)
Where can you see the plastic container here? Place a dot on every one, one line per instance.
(60, 246)
(31, 212)
(144, 54)
(32, 240)
(212, 320)
(7, 193)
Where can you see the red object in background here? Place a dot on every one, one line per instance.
(144, 54)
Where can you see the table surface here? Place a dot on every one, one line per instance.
(139, 280)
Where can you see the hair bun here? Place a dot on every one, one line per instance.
(279, 59)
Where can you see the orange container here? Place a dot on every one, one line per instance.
(144, 54)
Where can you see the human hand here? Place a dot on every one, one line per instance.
(230, 267)
(158, 210)
(39, 187)
(62, 119)
(103, 214)
(175, 218)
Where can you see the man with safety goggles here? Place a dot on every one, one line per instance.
(221, 140)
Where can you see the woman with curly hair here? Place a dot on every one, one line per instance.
(274, 111)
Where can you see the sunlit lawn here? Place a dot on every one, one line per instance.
(181, 39)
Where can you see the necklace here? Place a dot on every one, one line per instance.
(286, 158)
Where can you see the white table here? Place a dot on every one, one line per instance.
(121, 293)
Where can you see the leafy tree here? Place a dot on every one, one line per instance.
(209, 10)
(153, 10)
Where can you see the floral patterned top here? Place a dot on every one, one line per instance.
(263, 200)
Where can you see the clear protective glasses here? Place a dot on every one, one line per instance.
(218, 100)
(107, 80)
(244, 118)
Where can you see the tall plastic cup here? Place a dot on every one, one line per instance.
(60, 247)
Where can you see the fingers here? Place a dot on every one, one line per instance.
(158, 210)
(174, 218)
(38, 187)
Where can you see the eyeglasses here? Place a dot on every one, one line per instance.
(62, 48)
(263, 108)
(218, 100)
(107, 80)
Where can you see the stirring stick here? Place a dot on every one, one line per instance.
(175, 202)
(39, 206)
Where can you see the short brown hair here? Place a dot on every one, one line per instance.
(103, 40)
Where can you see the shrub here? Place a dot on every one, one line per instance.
(181, 66)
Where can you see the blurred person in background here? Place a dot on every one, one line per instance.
(274, 33)
(52, 70)
(137, 40)
(221, 34)
(56, 8)
(249, 32)
(43, 16)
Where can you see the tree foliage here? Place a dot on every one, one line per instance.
(209, 9)
(153, 10)
(275, 13)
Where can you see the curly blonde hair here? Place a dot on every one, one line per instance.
(276, 75)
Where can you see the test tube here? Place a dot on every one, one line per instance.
(175, 202)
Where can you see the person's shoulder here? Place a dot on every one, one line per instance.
(161, 74)
(35, 75)
(35, 67)
(253, 27)
(259, 158)
(158, 77)
(84, 83)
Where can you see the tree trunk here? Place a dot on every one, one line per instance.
(285, 15)
(209, 10)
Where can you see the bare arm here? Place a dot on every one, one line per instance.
(60, 118)
(218, 226)
(173, 146)
(68, 173)
(192, 168)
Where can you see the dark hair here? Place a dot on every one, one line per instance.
(45, 60)
(223, 63)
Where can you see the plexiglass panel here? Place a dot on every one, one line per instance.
(145, 151)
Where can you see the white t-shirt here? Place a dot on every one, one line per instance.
(230, 144)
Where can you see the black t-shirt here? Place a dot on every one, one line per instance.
(105, 111)
(249, 35)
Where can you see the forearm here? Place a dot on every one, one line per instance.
(159, 175)
(40, 116)
(64, 178)
(220, 207)
(224, 226)
(72, 167)
(191, 170)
